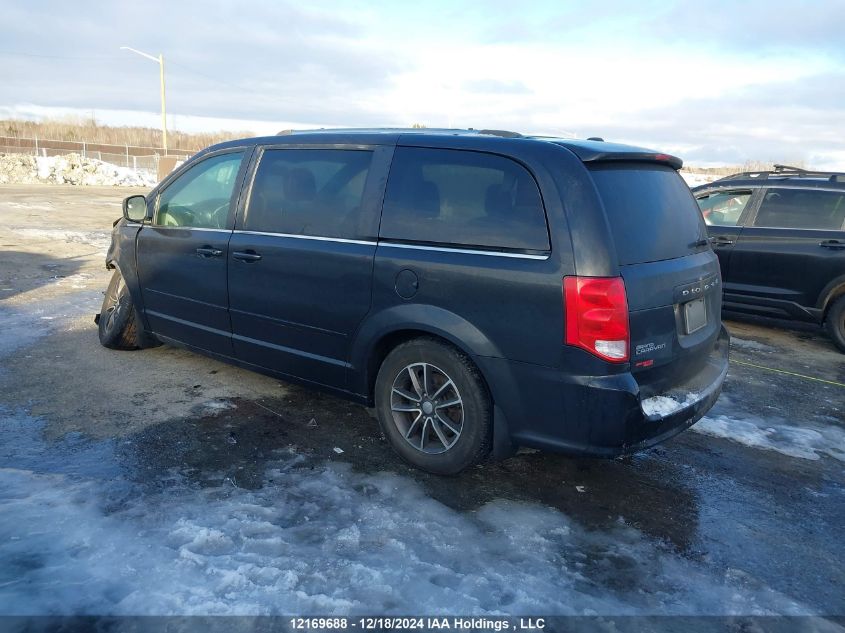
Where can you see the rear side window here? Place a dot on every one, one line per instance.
(315, 192)
(723, 208)
(802, 209)
(651, 211)
(463, 198)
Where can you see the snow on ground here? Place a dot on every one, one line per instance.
(79, 536)
(22, 324)
(694, 179)
(749, 344)
(665, 405)
(807, 441)
(98, 239)
(85, 529)
(70, 169)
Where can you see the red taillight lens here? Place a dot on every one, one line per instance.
(596, 310)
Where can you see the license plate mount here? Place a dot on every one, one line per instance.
(695, 315)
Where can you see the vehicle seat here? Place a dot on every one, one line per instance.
(267, 201)
(300, 191)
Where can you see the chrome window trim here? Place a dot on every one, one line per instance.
(788, 228)
(778, 185)
(317, 238)
(466, 251)
(441, 249)
(187, 228)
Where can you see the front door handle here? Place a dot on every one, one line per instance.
(834, 244)
(209, 251)
(246, 256)
(720, 241)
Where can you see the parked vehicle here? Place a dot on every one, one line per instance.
(482, 290)
(780, 238)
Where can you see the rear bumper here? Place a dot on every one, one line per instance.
(603, 416)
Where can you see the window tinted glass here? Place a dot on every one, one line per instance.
(463, 198)
(651, 211)
(201, 196)
(802, 209)
(723, 208)
(308, 192)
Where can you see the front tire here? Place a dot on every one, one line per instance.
(118, 323)
(835, 323)
(433, 407)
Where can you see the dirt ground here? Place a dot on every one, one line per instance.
(741, 514)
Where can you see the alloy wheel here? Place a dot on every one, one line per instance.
(427, 408)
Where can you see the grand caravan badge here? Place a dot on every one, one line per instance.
(647, 348)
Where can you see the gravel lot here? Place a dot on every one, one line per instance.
(162, 482)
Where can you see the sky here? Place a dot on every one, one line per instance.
(717, 82)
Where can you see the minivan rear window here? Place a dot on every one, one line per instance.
(651, 211)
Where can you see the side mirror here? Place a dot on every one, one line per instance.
(135, 208)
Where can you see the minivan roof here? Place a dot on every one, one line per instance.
(586, 150)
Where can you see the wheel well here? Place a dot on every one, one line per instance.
(832, 296)
(388, 342)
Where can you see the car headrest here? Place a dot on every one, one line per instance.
(299, 184)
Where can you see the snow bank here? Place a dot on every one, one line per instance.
(70, 169)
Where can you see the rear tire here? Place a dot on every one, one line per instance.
(433, 407)
(119, 322)
(835, 323)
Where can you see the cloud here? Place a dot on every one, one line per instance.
(779, 122)
(497, 86)
(274, 60)
(749, 27)
(712, 82)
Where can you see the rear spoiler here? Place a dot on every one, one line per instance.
(601, 152)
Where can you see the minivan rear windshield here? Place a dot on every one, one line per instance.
(651, 211)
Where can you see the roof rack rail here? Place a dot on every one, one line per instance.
(786, 171)
(502, 133)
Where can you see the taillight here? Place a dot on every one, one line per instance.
(596, 310)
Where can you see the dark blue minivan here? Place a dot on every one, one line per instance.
(482, 290)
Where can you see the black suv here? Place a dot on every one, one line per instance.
(482, 290)
(780, 238)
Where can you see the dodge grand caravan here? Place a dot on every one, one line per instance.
(481, 290)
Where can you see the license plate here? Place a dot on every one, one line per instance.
(695, 315)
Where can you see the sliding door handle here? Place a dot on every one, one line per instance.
(246, 256)
(208, 251)
(720, 241)
(834, 244)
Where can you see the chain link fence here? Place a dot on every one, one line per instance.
(132, 156)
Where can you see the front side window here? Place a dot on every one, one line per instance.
(463, 198)
(201, 197)
(802, 209)
(723, 208)
(315, 192)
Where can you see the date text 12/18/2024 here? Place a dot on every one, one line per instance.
(418, 623)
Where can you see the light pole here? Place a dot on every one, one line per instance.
(160, 61)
